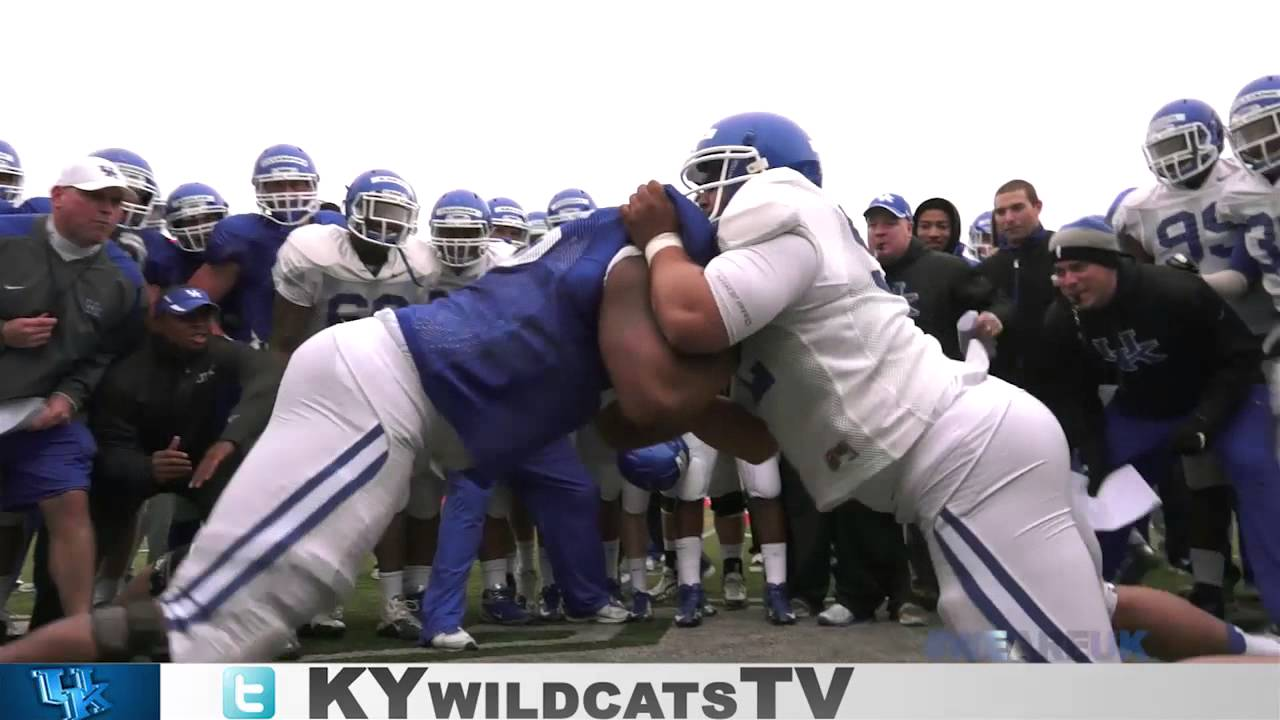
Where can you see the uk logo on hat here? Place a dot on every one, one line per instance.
(895, 204)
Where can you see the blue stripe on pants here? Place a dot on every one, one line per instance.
(203, 610)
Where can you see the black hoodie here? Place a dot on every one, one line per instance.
(940, 288)
(953, 245)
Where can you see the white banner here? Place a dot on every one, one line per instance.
(675, 692)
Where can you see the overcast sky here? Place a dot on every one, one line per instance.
(526, 98)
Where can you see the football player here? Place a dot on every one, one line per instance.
(242, 249)
(328, 274)
(978, 464)
(569, 204)
(11, 178)
(509, 222)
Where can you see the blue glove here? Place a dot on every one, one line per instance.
(657, 467)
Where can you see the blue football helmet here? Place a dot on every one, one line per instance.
(981, 239)
(287, 185)
(10, 174)
(1184, 140)
(381, 208)
(191, 212)
(509, 221)
(137, 173)
(570, 204)
(537, 226)
(743, 145)
(1255, 125)
(460, 228)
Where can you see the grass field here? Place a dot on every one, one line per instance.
(362, 614)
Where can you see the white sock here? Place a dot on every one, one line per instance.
(775, 562)
(668, 545)
(105, 589)
(544, 568)
(495, 573)
(525, 556)
(731, 552)
(415, 577)
(391, 584)
(1258, 645)
(611, 559)
(639, 574)
(689, 560)
(1207, 566)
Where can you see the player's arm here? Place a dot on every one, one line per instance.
(740, 291)
(216, 279)
(288, 327)
(657, 389)
(297, 284)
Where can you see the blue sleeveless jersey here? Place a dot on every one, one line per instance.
(512, 361)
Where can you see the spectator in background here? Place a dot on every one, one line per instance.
(1021, 271)
(940, 288)
(69, 305)
(165, 423)
(937, 224)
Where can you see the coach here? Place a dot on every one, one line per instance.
(1188, 376)
(66, 305)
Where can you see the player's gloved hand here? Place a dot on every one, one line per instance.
(657, 467)
(1182, 262)
(1189, 438)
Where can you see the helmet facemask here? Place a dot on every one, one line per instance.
(460, 236)
(717, 167)
(1255, 138)
(383, 218)
(288, 205)
(1181, 153)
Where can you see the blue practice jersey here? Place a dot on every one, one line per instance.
(512, 361)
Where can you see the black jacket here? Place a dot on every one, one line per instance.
(1169, 342)
(155, 393)
(1023, 275)
(940, 288)
(95, 300)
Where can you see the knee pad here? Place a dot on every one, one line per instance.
(763, 481)
(634, 500)
(165, 568)
(500, 503)
(129, 632)
(729, 505)
(696, 479)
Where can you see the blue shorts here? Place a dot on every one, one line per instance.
(36, 466)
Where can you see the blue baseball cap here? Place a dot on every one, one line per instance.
(185, 299)
(895, 204)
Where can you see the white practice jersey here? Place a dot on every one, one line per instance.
(450, 278)
(1167, 220)
(843, 377)
(318, 268)
(1255, 205)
